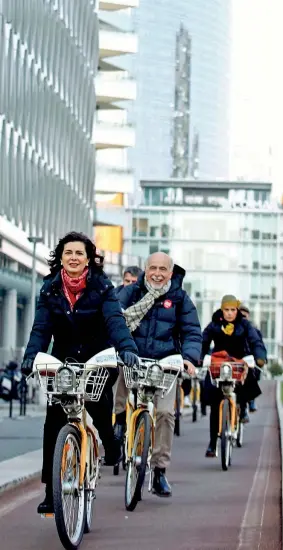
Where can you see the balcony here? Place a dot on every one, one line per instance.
(114, 86)
(108, 134)
(113, 42)
(113, 5)
(113, 180)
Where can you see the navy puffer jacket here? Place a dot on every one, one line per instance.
(245, 339)
(95, 323)
(170, 326)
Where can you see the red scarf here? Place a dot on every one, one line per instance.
(73, 286)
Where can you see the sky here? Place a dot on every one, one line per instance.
(257, 92)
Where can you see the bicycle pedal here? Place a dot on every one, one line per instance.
(46, 516)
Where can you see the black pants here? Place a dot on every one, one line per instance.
(101, 414)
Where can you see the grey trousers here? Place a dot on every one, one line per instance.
(165, 421)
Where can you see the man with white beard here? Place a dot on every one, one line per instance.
(163, 321)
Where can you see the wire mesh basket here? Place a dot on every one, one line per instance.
(150, 374)
(239, 371)
(72, 379)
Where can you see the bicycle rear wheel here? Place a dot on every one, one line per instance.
(226, 446)
(136, 468)
(177, 411)
(240, 433)
(69, 499)
(90, 482)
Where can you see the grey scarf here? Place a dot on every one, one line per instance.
(134, 314)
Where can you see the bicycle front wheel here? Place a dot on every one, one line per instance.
(240, 433)
(226, 447)
(69, 498)
(136, 468)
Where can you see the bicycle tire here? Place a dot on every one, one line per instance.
(240, 434)
(133, 494)
(70, 543)
(195, 413)
(225, 441)
(194, 404)
(177, 426)
(89, 492)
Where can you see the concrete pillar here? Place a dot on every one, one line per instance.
(10, 321)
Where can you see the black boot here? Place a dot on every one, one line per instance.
(47, 507)
(160, 485)
(211, 450)
(113, 452)
(120, 426)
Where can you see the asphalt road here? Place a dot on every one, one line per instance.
(210, 509)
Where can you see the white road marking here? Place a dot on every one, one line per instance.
(6, 509)
(252, 523)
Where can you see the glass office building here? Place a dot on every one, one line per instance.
(208, 23)
(230, 241)
(48, 61)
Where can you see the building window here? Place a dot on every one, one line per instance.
(255, 234)
(146, 195)
(153, 231)
(155, 193)
(164, 230)
(153, 247)
(140, 227)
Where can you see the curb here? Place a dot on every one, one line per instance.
(279, 407)
(17, 470)
(18, 481)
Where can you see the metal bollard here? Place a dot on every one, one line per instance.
(11, 399)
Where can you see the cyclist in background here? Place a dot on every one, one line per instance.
(130, 276)
(231, 332)
(246, 313)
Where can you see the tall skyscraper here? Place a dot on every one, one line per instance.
(181, 116)
(208, 23)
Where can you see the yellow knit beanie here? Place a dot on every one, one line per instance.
(229, 301)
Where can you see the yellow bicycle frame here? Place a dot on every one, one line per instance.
(132, 418)
(84, 429)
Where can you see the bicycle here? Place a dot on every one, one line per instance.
(195, 394)
(76, 462)
(227, 375)
(145, 382)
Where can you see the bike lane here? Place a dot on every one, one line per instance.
(210, 509)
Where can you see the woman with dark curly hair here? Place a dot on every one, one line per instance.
(78, 308)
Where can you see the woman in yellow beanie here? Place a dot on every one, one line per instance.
(232, 333)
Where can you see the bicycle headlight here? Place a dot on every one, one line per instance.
(226, 372)
(155, 374)
(65, 380)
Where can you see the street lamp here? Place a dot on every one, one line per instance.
(34, 241)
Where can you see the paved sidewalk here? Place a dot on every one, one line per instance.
(20, 435)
